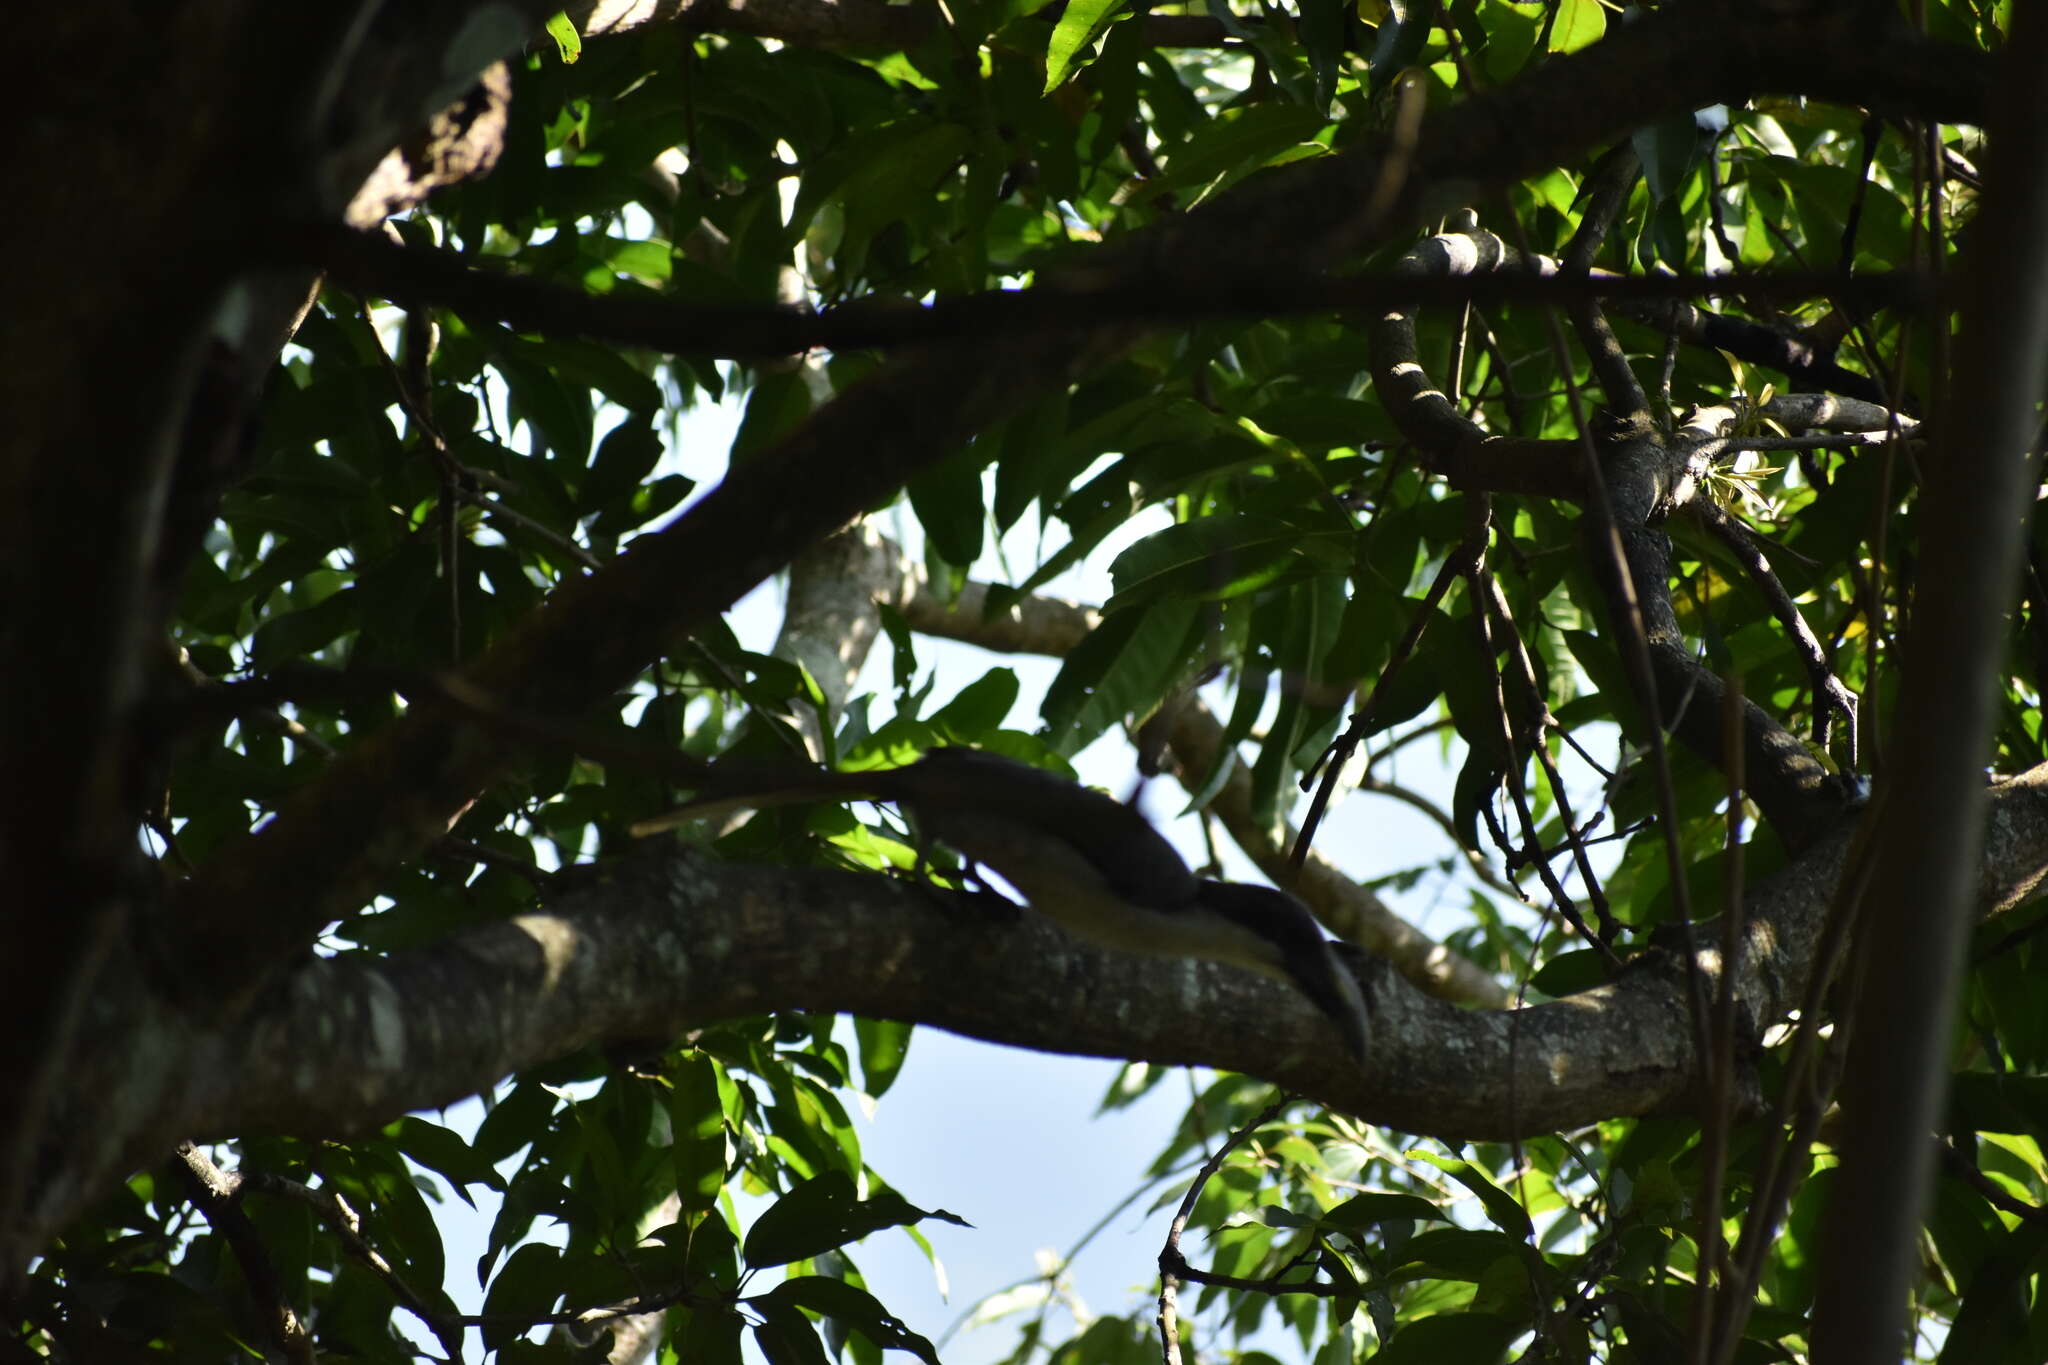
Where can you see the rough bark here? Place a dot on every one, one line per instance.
(675, 939)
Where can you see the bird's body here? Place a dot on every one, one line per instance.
(1094, 866)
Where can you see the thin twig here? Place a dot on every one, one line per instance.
(1455, 566)
(1713, 1274)
(1997, 1195)
(469, 851)
(1510, 396)
(217, 1195)
(1496, 601)
(1173, 1267)
(1441, 818)
(1064, 1260)
(1831, 695)
(459, 481)
(1584, 757)
(1407, 737)
(1512, 766)
(1667, 367)
(1607, 187)
(211, 693)
(1809, 1069)
(1717, 211)
(347, 1225)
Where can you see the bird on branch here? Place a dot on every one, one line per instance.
(1091, 864)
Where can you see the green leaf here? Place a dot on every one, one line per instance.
(1125, 667)
(706, 1335)
(778, 405)
(441, 1149)
(374, 1178)
(1402, 33)
(1462, 1336)
(1512, 30)
(608, 371)
(979, 707)
(1309, 613)
(559, 417)
(524, 1291)
(1219, 557)
(1364, 1210)
(514, 1121)
(851, 1307)
(1459, 1253)
(1597, 656)
(646, 503)
(1570, 973)
(786, 1336)
(824, 1213)
(1992, 1325)
(880, 178)
(568, 41)
(1239, 141)
(1323, 420)
(299, 634)
(1079, 24)
(947, 500)
(1579, 23)
(626, 455)
(1322, 38)
(1668, 149)
(884, 1047)
(1502, 1208)
(697, 1119)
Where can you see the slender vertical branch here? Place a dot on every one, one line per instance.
(1972, 523)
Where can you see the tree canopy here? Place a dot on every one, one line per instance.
(1639, 404)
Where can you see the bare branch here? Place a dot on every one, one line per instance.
(333, 1210)
(1161, 296)
(1830, 695)
(218, 1196)
(1172, 1265)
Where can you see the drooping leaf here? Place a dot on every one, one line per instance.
(1078, 26)
(823, 1213)
(1124, 668)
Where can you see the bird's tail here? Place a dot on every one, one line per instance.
(793, 788)
(1299, 951)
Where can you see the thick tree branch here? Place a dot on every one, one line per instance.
(370, 263)
(674, 940)
(846, 23)
(1798, 359)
